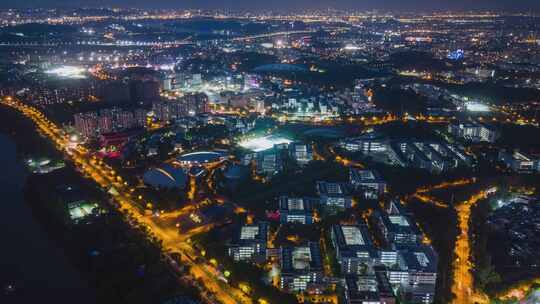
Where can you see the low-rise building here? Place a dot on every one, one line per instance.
(399, 229)
(368, 289)
(367, 180)
(302, 153)
(415, 275)
(334, 195)
(295, 210)
(436, 157)
(473, 131)
(269, 162)
(367, 143)
(249, 242)
(519, 161)
(301, 267)
(354, 249)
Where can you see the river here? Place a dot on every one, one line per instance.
(29, 261)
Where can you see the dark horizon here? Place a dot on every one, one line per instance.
(296, 5)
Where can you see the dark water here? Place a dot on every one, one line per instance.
(29, 261)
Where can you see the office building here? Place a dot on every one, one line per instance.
(368, 181)
(399, 229)
(334, 195)
(367, 143)
(302, 153)
(295, 210)
(250, 242)
(369, 289)
(520, 161)
(354, 249)
(473, 131)
(301, 267)
(415, 275)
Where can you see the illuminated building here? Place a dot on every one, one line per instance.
(167, 84)
(251, 81)
(473, 131)
(520, 161)
(250, 242)
(196, 103)
(360, 93)
(258, 105)
(105, 121)
(44, 165)
(354, 249)
(334, 195)
(399, 229)
(367, 180)
(196, 80)
(436, 157)
(108, 120)
(301, 153)
(415, 274)
(86, 123)
(367, 143)
(140, 116)
(301, 267)
(368, 289)
(187, 105)
(125, 120)
(413, 270)
(269, 162)
(295, 210)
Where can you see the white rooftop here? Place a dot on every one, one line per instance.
(353, 235)
(295, 204)
(301, 257)
(422, 258)
(249, 232)
(399, 220)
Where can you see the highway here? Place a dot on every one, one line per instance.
(107, 178)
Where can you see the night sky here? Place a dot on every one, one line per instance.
(408, 5)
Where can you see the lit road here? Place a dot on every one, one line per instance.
(463, 281)
(107, 179)
(422, 193)
(326, 152)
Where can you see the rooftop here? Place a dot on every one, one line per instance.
(301, 259)
(353, 235)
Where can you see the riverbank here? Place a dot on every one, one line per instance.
(33, 267)
(119, 263)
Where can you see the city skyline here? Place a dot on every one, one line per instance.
(295, 5)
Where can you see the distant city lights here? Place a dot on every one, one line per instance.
(456, 55)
